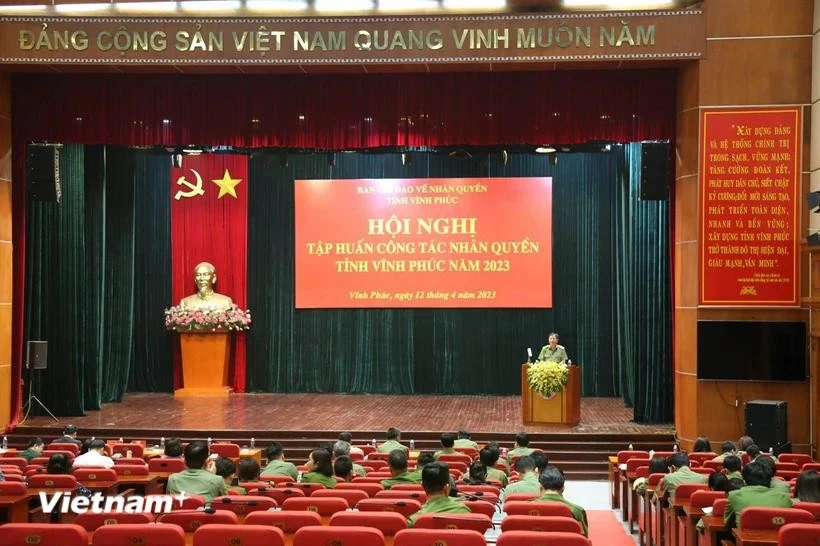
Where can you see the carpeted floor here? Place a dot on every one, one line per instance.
(605, 529)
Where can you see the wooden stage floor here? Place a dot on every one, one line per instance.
(352, 412)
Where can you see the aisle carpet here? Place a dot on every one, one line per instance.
(606, 529)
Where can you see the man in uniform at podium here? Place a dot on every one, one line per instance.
(205, 297)
(553, 352)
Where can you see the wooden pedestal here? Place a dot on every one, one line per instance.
(563, 408)
(205, 360)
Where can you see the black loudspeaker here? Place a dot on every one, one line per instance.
(43, 172)
(37, 355)
(766, 423)
(654, 171)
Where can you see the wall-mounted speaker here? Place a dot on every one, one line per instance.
(766, 423)
(37, 355)
(43, 172)
(655, 171)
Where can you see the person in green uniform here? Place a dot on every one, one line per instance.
(522, 447)
(173, 448)
(320, 469)
(527, 477)
(727, 448)
(342, 448)
(397, 461)
(393, 441)
(435, 478)
(476, 474)
(277, 465)
(343, 469)
(756, 493)
(774, 482)
(552, 490)
(733, 465)
(679, 473)
(248, 470)
(424, 458)
(807, 487)
(35, 449)
(198, 478)
(447, 442)
(226, 469)
(465, 440)
(552, 352)
(489, 456)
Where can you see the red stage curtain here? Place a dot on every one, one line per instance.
(348, 111)
(212, 228)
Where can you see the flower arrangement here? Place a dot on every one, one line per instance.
(548, 378)
(183, 319)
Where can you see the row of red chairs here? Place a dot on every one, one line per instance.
(260, 535)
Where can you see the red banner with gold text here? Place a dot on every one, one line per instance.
(432, 242)
(749, 215)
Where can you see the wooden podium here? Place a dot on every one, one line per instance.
(205, 360)
(563, 408)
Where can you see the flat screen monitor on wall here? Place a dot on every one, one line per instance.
(752, 351)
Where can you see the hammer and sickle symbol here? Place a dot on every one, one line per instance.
(194, 189)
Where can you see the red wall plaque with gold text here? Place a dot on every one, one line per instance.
(749, 207)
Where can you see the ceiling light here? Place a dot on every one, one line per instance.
(81, 8)
(545, 150)
(210, 5)
(347, 6)
(276, 5)
(473, 4)
(22, 9)
(408, 5)
(619, 4)
(146, 7)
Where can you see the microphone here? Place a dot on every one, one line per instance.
(529, 353)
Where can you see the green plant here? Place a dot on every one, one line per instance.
(548, 378)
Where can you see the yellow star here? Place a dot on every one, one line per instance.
(227, 185)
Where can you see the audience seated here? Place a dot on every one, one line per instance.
(342, 448)
(733, 465)
(435, 478)
(199, 477)
(448, 440)
(226, 469)
(393, 441)
(320, 469)
(743, 443)
(248, 470)
(657, 465)
(552, 490)
(343, 469)
(527, 477)
(59, 463)
(69, 436)
(774, 482)
(347, 437)
(522, 442)
(679, 473)
(718, 482)
(173, 448)
(756, 493)
(35, 449)
(726, 449)
(702, 445)
(464, 440)
(489, 456)
(277, 465)
(397, 461)
(93, 456)
(477, 474)
(807, 487)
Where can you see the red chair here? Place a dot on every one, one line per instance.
(308, 488)
(634, 463)
(324, 506)
(624, 456)
(131, 469)
(521, 496)
(370, 488)
(479, 489)
(166, 465)
(22, 462)
(702, 470)
(812, 507)
(685, 490)
(191, 502)
(367, 449)
(405, 507)
(376, 456)
(786, 466)
(42, 461)
(455, 457)
(226, 450)
(436, 537)
(527, 508)
(719, 507)
(243, 505)
(408, 487)
(62, 481)
(798, 534)
(376, 464)
(8, 488)
(797, 458)
(338, 536)
(471, 452)
(91, 521)
(94, 475)
(755, 517)
(143, 534)
(475, 522)
(49, 452)
(536, 538)
(288, 522)
(191, 520)
(787, 475)
(541, 523)
(130, 460)
(247, 486)
(480, 507)
(43, 534)
(64, 446)
(715, 466)
(352, 496)
(382, 475)
(704, 498)
(123, 449)
(388, 523)
(247, 535)
(420, 496)
(277, 494)
(482, 496)
(701, 458)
